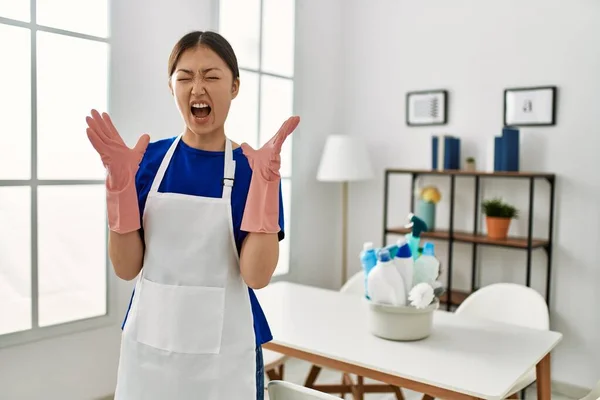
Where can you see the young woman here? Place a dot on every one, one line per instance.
(209, 232)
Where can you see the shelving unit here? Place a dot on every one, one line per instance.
(528, 243)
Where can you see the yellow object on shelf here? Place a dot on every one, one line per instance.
(431, 194)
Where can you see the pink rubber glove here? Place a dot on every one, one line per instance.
(261, 213)
(121, 163)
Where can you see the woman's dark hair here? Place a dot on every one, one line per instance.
(212, 40)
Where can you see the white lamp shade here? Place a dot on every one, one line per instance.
(344, 159)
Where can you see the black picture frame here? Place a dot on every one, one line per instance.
(440, 92)
(551, 121)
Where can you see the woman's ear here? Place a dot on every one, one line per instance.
(171, 87)
(235, 88)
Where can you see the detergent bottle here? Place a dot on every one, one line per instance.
(368, 259)
(385, 284)
(405, 264)
(427, 267)
(393, 249)
(414, 237)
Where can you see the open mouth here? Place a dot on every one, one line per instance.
(200, 110)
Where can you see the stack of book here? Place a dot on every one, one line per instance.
(506, 151)
(445, 152)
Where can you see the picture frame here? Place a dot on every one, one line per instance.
(530, 106)
(427, 107)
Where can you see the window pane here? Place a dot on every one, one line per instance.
(277, 96)
(15, 9)
(89, 17)
(283, 265)
(15, 259)
(72, 79)
(242, 122)
(71, 253)
(15, 103)
(239, 23)
(278, 37)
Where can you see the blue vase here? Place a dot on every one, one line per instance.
(426, 211)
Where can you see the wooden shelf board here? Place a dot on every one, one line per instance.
(466, 237)
(456, 297)
(459, 172)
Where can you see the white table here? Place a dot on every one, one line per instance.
(464, 358)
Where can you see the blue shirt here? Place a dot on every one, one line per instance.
(200, 173)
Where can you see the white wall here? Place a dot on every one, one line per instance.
(83, 366)
(476, 49)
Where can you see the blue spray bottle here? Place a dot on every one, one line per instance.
(368, 259)
(418, 226)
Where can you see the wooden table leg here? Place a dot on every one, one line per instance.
(543, 383)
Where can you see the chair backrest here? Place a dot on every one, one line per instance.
(281, 390)
(594, 394)
(509, 303)
(355, 285)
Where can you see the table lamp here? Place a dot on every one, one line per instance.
(345, 159)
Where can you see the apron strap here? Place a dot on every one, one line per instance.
(229, 171)
(164, 165)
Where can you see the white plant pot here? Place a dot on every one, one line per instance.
(405, 323)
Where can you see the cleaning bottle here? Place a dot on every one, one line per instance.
(405, 264)
(368, 259)
(385, 283)
(427, 267)
(393, 249)
(418, 226)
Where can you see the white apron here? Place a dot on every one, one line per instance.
(189, 333)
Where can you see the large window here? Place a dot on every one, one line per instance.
(53, 261)
(262, 35)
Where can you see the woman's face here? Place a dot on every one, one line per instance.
(203, 87)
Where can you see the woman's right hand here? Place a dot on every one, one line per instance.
(122, 164)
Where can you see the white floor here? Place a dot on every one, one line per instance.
(297, 370)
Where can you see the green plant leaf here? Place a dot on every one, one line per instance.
(499, 209)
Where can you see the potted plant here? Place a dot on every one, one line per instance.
(498, 216)
(470, 164)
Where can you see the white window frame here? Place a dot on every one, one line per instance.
(37, 333)
(260, 73)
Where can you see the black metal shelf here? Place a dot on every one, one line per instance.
(528, 243)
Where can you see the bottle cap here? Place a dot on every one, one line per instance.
(384, 255)
(404, 251)
(400, 242)
(428, 249)
(367, 246)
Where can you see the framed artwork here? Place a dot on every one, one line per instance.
(425, 108)
(534, 106)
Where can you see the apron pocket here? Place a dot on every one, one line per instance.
(181, 319)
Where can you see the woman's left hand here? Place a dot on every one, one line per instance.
(267, 159)
(261, 213)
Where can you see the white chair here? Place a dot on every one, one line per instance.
(594, 394)
(512, 304)
(355, 286)
(280, 390)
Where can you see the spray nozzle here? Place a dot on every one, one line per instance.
(417, 224)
